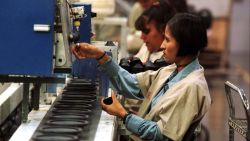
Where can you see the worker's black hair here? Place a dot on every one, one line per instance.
(160, 12)
(189, 32)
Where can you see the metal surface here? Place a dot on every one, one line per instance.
(25, 131)
(10, 110)
(43, 44)
(73, 107)
(242, 126)
(25, 103)
(85, 28)
(9, 99)
(103, 127)
(60, 60)
(27, 79)
(35, 96)
(3, 87)
(66, 25)
(24, 51)
(25, 94)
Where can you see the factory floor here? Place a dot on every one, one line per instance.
(216, 120)
(238, 73)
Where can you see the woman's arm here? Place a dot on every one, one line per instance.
(145, 129)
(124, 82)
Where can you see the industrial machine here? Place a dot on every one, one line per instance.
(38, 35)
(35, 48)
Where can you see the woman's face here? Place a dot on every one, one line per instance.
(170, 47)
(152, 37)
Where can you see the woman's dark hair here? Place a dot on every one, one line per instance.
(160, 12)
(189, 32)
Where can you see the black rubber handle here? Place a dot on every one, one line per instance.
(108, 101)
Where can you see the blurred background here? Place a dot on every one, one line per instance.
(226, 57)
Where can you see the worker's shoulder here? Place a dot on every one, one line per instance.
(137, 6)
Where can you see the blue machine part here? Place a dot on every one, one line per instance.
(85, 68)
(22, 50)
(85, 28)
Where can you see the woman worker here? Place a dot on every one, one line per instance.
(152, 24)
(174, 97)
(133, 39)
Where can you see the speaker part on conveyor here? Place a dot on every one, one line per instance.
(70, 116)
(108, 101)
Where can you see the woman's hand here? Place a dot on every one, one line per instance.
(85, 50)
(115, 108)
